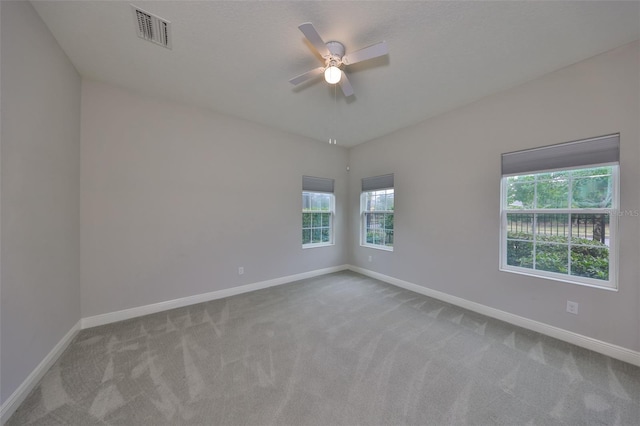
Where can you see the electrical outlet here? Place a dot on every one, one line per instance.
(572, 307)
(370, 258)
(241, 270)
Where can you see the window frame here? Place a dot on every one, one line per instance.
(612, 283)
(363, 219)
(331, 212)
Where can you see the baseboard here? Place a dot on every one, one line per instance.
(19, 395)
(110, 317)
(614, 351)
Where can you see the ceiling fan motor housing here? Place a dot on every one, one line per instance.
(337, 52)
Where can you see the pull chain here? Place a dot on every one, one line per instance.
(334, 141)
(335, 110)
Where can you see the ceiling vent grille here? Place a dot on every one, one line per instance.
(151, 27)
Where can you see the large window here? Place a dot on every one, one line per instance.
(562, 223)
(317, 211)
(377, 207)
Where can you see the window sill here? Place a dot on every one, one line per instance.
(377, 247)
(309, 246)
(553, 277)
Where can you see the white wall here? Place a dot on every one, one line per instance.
(175, 198)
(40, 170)
(447, 181)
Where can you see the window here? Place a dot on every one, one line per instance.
(377, 207)
(561, 223)
(317, 211)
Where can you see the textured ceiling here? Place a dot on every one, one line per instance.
(237, 57)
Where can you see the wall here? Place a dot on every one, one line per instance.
(175, 198)
(40, 222)
(447, 180)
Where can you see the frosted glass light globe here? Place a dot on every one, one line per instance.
(332, 75)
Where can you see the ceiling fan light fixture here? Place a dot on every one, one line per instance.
(332, 74)
(333, 54)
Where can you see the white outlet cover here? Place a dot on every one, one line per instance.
(572, 307)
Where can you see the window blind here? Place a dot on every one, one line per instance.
(601, 150)
(317, 184)
(377, 182)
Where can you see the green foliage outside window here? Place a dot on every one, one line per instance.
(316, 218)
(548, 228)
(589, 258)
(583, 188)
(378, 213)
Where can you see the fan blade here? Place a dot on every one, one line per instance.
(379, 49)
(314, 38)
(307, 76)
(345, 85)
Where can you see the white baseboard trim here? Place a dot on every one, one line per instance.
(614, 351)
(18, 396)
(110, 317)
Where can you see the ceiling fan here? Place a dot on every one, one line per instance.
(333, 53)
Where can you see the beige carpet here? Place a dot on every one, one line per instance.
(338, 349)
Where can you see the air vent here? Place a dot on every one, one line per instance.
(151, 27)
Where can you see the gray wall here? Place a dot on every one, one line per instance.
(175, 198)
(447, 179)
(40, 194)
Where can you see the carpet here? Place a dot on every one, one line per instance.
(339, 349)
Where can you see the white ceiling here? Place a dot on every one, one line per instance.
(237, 57)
